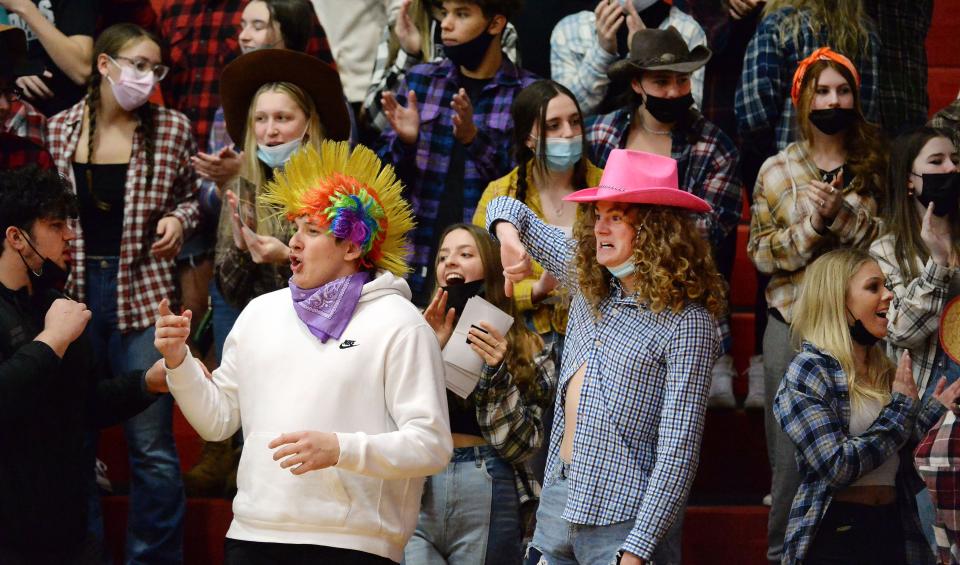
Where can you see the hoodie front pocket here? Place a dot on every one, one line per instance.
(268, 493)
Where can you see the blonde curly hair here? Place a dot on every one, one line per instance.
(674, 265)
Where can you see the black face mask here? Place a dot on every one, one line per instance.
(943, 189)
(860, 334)
(458, 294)
(668, 110)
(469, 55)
(50, 276)
(832, 120)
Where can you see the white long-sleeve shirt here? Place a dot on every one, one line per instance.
(379, 387)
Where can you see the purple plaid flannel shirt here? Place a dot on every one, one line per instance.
(424, 165)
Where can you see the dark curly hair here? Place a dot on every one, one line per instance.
(30, 193)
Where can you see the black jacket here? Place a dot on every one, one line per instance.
(47, 405)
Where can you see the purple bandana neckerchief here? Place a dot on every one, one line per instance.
(327, 309)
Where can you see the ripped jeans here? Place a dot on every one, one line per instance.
(558, 542)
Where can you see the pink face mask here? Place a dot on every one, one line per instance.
(131, 90)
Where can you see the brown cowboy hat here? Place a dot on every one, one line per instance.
(659, 50)
(247, 73)
(13, 48)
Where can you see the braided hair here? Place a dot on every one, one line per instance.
(529, 109)
(110, 42)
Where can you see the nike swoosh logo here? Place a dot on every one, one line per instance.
(348, 344)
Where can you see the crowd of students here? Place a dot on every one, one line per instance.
(314, 194)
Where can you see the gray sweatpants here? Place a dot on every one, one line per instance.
(778, 351)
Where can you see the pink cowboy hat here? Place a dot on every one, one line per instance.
(640, 178)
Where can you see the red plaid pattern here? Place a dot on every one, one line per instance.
(16, 152)
(25, 121)
(938, 461)
(143, 279)
(199, 39)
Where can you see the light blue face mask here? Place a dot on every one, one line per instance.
(562, 153)
(623, 270)
(278, 155)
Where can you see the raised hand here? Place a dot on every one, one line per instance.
(64, 322)
(936, 234)
(440, 317)
(171, 334)
(740, 9)
(609, 19)
(407, 33)
(903, 379)
(309, 451)
(544, 286)
(464, 130)
(634, 22)
(947, 395)
(265, 249)
(404, 120)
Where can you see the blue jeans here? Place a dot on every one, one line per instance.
(157, 503)
(469, 513)
(224, 316)
(558, 542)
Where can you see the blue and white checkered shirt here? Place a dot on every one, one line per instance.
(642, 403)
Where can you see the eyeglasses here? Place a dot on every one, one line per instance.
(11, 93)
(143, 67)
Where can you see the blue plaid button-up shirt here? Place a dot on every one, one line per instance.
(424, 166)
(813, 408)
(763, 105)
(642, 403)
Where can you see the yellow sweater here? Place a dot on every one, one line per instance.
(546, 317)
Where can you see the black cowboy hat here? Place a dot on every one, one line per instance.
(246, 74)
(659, 50)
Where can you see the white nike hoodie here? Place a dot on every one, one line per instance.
(380, 387)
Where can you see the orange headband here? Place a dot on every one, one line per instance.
(822, 54)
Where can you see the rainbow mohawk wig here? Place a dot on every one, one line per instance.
(351, 195)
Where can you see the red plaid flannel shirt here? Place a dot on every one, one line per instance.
(938, 461)
(16, 152)
(24, 120)
(199, 39)
(143, 280)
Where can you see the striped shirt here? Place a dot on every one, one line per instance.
(578, 62)
(813, 408)
(642, 402)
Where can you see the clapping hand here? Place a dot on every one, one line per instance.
(404, 120)
(903, 379)
(440, 317)
(936, 234)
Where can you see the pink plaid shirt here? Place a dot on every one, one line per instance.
(143, 280)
